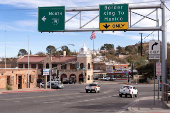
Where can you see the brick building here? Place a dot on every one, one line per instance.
(18, 78)
(65, 64)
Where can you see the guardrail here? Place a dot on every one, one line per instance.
(166, 92)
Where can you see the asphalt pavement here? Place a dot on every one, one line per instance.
(74, 99)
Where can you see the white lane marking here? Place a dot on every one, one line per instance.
(17, 101)
(66, 103)
(48, 102)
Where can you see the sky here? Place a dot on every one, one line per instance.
(20, 19)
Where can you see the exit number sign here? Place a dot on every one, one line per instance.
(114, 16)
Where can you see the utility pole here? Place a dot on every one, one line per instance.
(141, 44)
(50, 67)
(5, 48)
(28, 62)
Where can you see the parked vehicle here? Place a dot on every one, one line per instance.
(93, 87)
(112, 79)
(39, 80)
(57, 86)
(55, 81)
(128, 90)
(67, 82)
(107, 79)
(42, 84)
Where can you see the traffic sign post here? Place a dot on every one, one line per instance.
(51, 19)
(158, 74)
(154, 49)
(113, 16)
(154, 53)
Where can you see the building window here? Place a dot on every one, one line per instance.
(54, 65)
(88, 65)
(63, 66)
(8, 80)
(88, 77)
(20, 65)
(47, 66)
(81, 66)
(26, 65)
(40, 66)
(72, 66)
(33, 65)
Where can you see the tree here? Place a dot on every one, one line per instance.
(139, 49)
(65, 48)
(147, 70)
(40, 54)
(22, 52)
(107, 47)
(30, 52)
(119, 48)
(50, 49)
(129, 49)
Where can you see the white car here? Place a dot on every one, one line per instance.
(42, 84)
(93, 87)
(128, 90)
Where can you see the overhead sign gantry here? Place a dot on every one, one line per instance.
(48, 22)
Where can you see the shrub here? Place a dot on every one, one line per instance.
(8, 87)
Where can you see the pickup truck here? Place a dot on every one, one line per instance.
(128, 90)
(92, 87)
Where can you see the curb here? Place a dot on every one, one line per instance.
(28, 91)
(167, 104)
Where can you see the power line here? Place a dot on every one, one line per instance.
(147, 36)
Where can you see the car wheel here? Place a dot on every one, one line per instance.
(132, 95)
(136, 95)
(86, 91)
(120, 95)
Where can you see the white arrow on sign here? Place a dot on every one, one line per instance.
(44, 18)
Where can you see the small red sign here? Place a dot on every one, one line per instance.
(158, 69)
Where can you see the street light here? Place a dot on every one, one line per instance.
(65, 45)
(51, 61)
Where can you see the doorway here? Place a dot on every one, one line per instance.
(19, 82)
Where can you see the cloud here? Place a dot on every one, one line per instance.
(27, 23)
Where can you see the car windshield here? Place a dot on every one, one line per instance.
(92, 84)
(126, 87)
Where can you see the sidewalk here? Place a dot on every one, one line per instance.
(146, 105)
(3, 91)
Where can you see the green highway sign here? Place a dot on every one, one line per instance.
(113, 16)
(51, 19)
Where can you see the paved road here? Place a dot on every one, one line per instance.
(72, 99)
